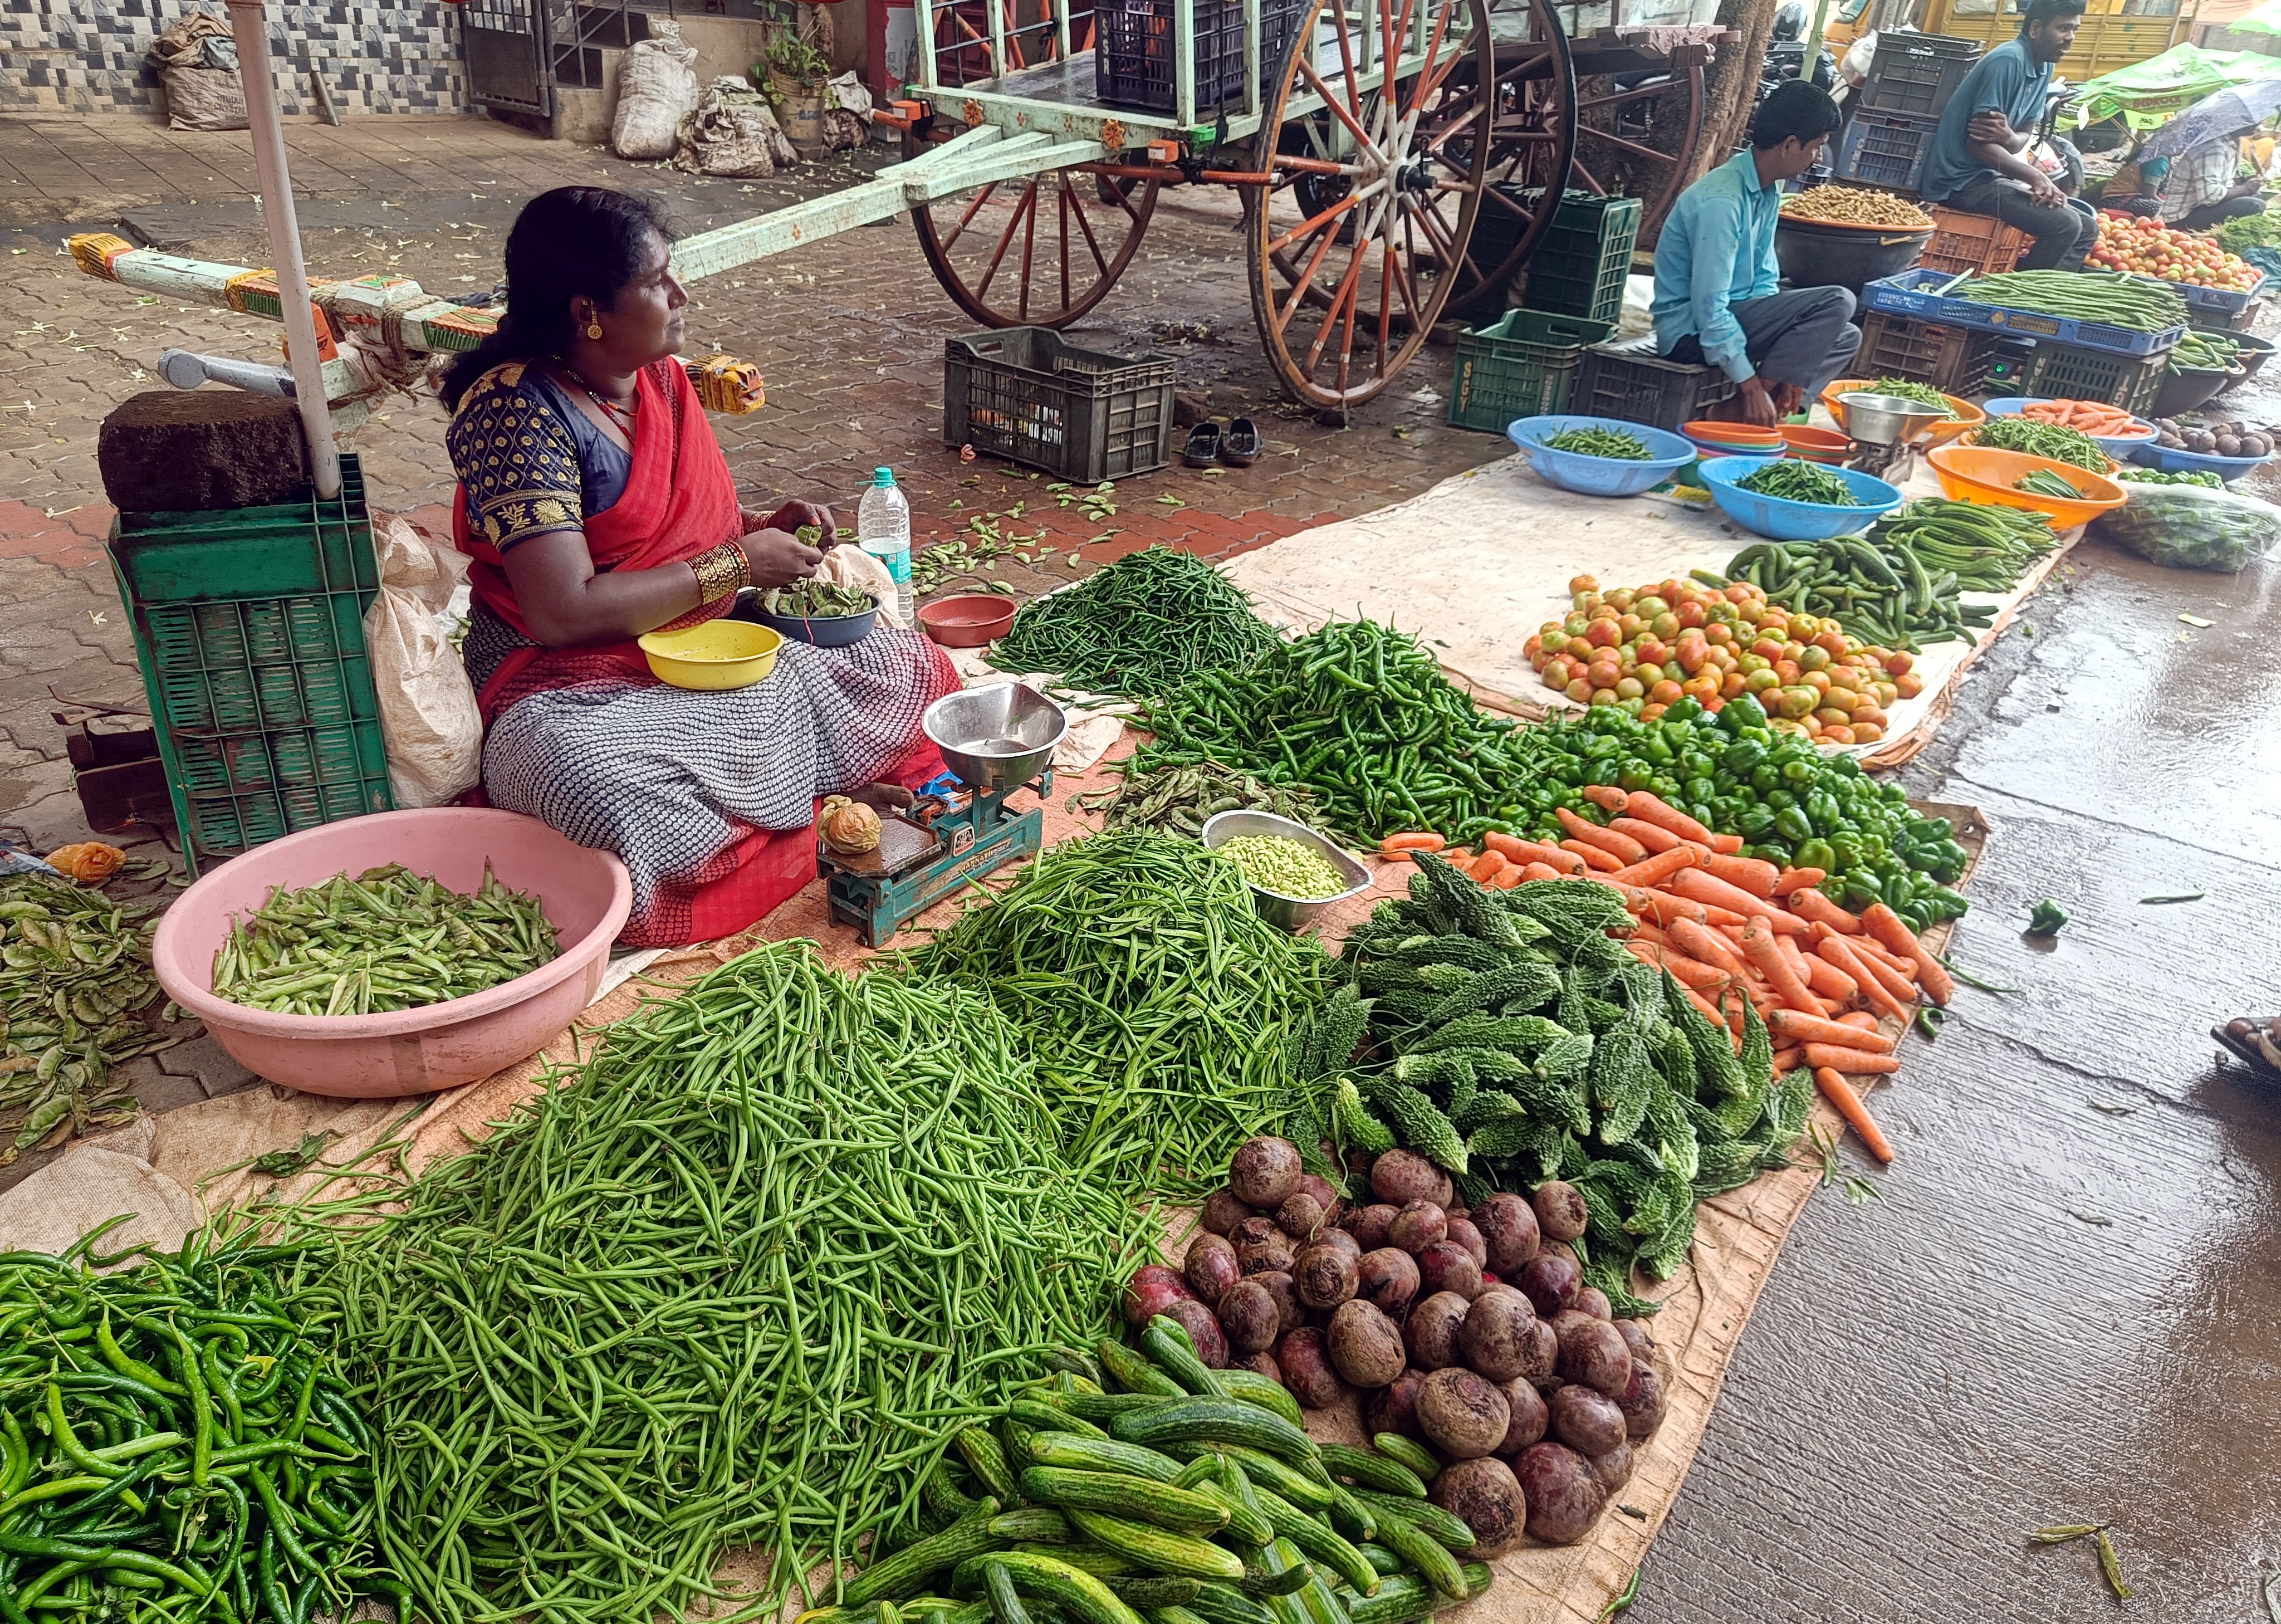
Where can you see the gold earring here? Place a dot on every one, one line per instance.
(594, 329)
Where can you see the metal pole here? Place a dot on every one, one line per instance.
(248, 26)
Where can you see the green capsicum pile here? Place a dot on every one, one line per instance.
(1793, 805)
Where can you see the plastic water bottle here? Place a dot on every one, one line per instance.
(883, 527)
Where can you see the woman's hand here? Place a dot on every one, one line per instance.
(776, 557)
(792, 516)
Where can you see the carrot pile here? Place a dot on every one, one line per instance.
(1725, 925)
(2092, 417)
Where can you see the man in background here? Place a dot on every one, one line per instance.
(1977, 161)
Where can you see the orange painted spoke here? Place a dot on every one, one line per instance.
(1442, 134)
(967, 219)
(1311, 166)
(1085, 225)
(1341, 302)
(1021, 213)
(1304, 226)
(1337, 111)
(1427, 82)
(1304, 280)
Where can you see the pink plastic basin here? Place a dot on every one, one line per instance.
(584, 893)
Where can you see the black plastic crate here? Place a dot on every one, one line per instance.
(1027, 394)
(2061, 372)
(1133, 53)
(1522, 365)
(1886, 150)
(1952, 360)
(1917, 73)
(1631, 382)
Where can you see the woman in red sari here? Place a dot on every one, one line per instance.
(597, 505)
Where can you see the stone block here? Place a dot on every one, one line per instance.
(202, 449)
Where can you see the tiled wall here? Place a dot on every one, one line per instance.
(93, 56)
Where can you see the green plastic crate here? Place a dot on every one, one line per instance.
(249, 626)
(1578, 265)
(1522, 365)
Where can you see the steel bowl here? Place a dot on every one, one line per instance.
(1288, 913)
(1884, 420)
(997, 736)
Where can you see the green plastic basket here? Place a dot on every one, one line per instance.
(249, 626)
(1522, 365)
(1578, 265)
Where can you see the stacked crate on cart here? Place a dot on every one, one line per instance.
(1885, 151)
(2069, 358)
(249, 626)
(1578, 267)
(1523, 363)
(1916, 74)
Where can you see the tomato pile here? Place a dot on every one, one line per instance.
(2152, 248)
(1645, 649)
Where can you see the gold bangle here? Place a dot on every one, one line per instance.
(720, 572)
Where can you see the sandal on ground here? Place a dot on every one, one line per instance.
(1240, 449)
(1203, 445)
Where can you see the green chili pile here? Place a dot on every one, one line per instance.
(1278, 863)
(2052, 441)
(734, 1282)
(2110, 297)
(74, 966)
(1146, 623)
(1792, 481)
(1600, 443)
(2156, 476)
(1158, 1002)
(1360, 715)
(387, 940)
(174, 1444)
(1177, 799)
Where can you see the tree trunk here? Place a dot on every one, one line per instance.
(1730, 84)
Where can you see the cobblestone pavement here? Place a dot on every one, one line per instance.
(849, 334)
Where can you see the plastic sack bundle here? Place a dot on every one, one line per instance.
(657, 88)
(427, 716)
(2190, 527)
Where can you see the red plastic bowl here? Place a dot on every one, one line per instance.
(968, 621)
(584, 893)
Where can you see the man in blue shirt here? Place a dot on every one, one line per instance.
(1974, 163)
(1717, 287)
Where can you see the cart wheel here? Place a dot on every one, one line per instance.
(1036, 251)
(1349, 270)
(1634, 140)
(1532, 138)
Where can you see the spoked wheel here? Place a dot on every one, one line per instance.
(1532, 141)
(1634, 140)
(1350, 269)
(1036, 251)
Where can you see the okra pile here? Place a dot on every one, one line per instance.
(1147, 1485)
(175, 1444)
(387, 940)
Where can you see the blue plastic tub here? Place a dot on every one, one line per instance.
(1779, 519)
(2118, 446)
(1571, 470)
(826, 631)
(2171, 461)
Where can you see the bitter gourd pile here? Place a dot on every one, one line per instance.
(1519, 1041)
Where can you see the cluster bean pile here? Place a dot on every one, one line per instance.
(1905, 388)
(1160, 1005)
(74, 967)
(2108, 297)
(1149, 622)
(387, 940)
(2048, 440)
(1362, 717)
(175, 1446)
(734, 1283)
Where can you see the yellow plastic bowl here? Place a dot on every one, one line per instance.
(719, 653)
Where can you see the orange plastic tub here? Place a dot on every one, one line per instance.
(1816, 445)
(1982, 474)
(585, 895)
(1968, 415)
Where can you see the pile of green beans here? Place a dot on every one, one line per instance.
(1905, 388)
(2052, 441)
(1600, 443)
(734, 1282)
(1278, 863)
(175, 1445)
(1146, 623)
(1177, 799)
(2200, 352)
(2138, 303)
(1792, 481)
(2043, 481)
(1160, 1005)
(1898, 586)
(387, 940)
(1362, 717)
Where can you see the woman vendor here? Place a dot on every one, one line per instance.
(597, 507)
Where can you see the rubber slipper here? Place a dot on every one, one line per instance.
(1202, 449)
(1240, 449)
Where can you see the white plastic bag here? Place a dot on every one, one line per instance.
(848, 565)
(657, 88)
(428, 715)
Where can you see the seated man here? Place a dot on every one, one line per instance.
(1976, 161)
(1716, 284)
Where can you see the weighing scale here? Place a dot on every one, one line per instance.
(996, 740)
(1888, 429)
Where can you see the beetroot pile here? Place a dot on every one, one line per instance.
(1469, 1330)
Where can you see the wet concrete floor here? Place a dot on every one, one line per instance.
(2066, 1306)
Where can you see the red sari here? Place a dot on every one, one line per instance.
(679, 500)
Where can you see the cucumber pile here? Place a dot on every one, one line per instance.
(1148, 1488)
